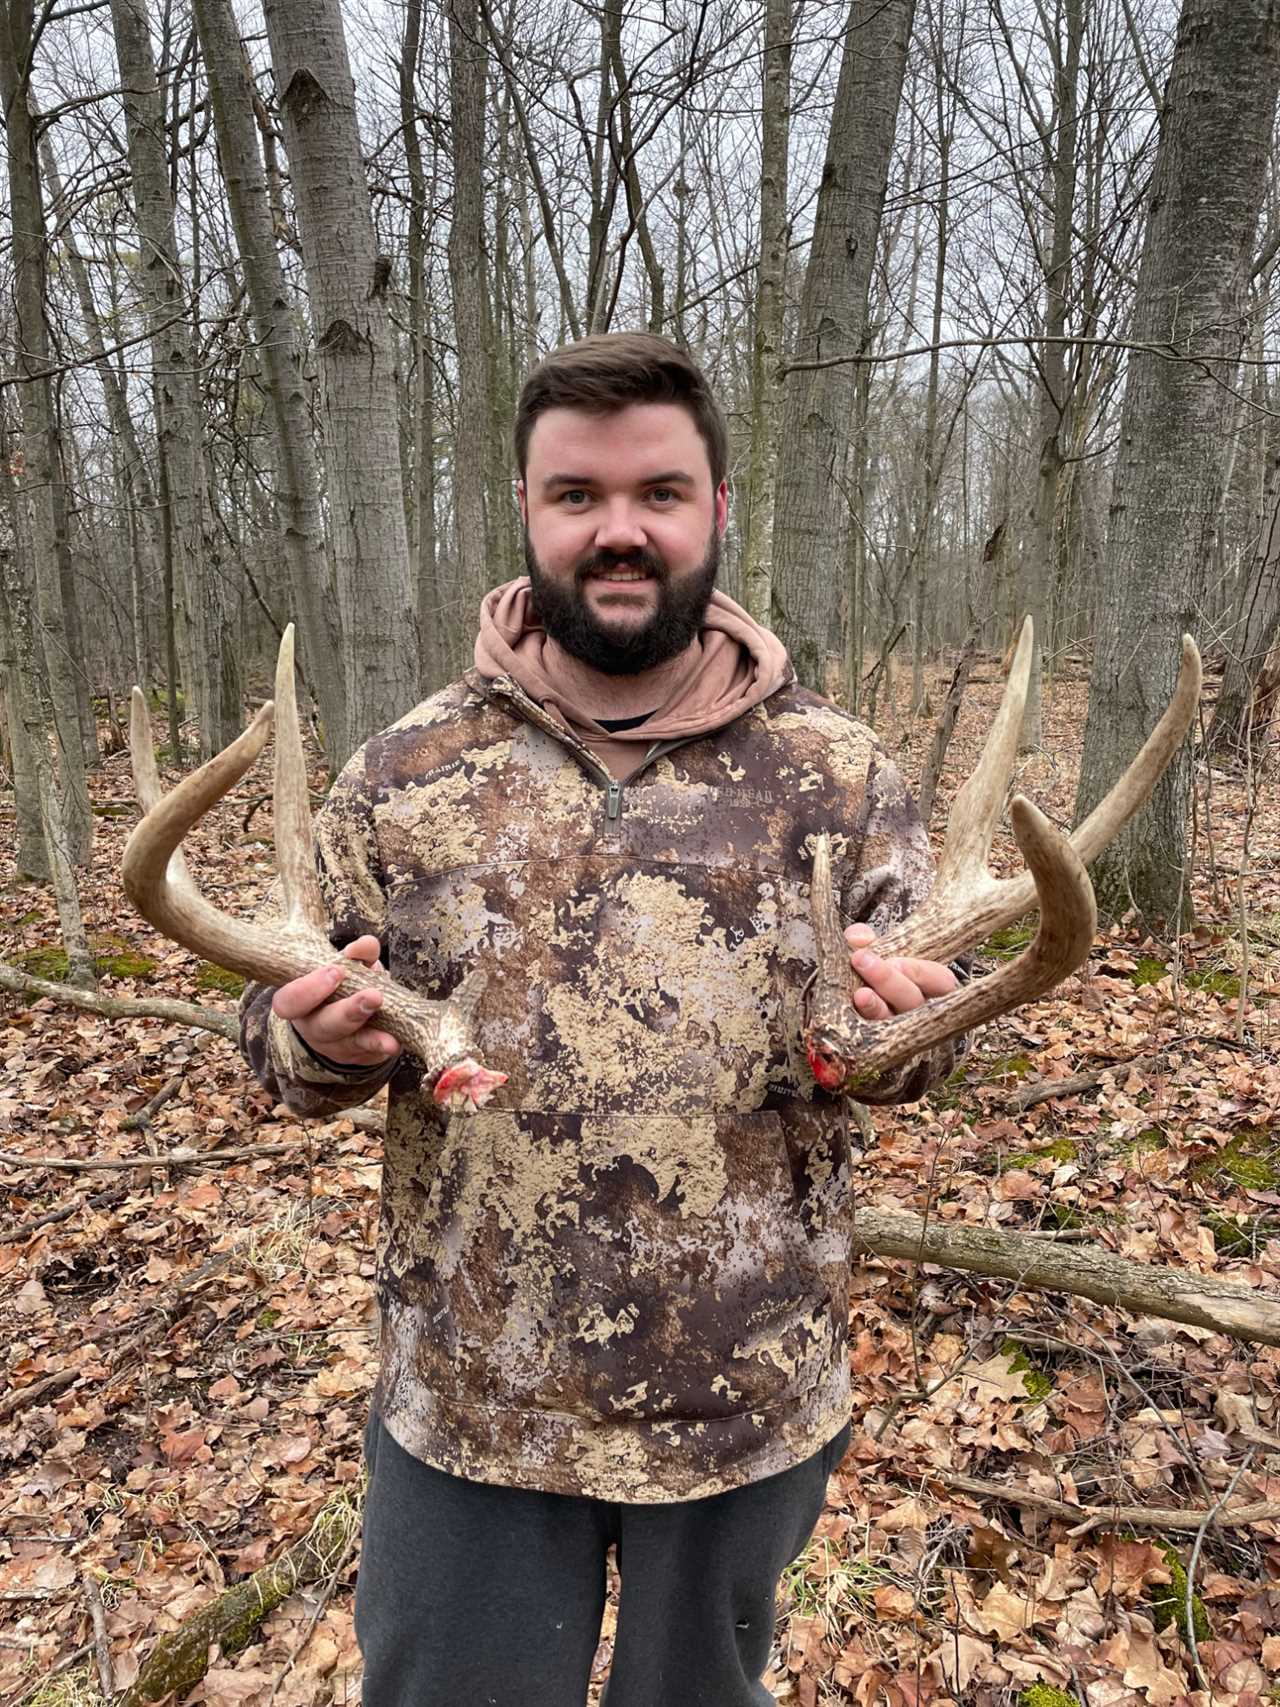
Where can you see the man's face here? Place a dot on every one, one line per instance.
(622, 532)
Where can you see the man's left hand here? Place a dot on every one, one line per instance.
(896, 985)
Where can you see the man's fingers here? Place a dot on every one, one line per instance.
(899, 993)
(342, 1021)
(304, 995)
(364, 948)
(930, 977)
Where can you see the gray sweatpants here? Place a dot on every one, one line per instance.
(472, 1595)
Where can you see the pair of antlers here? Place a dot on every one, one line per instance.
(966, 903)
(845, 1051)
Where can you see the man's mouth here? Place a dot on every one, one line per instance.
(620, 575)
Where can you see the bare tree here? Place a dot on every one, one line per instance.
(348, 283)
(1215, 132)
(818, 402)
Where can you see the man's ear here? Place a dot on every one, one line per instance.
(722, 507)
(520, 499)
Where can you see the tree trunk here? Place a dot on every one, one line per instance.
(37, 464)
(1233, 715)
(1045, 532)
(347, 280)
(1211, 163)
(775, 127)
(297, 483)
(178, 428)
(818, 404)
(467, 279)
(433, 649)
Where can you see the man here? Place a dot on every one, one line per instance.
(614, 1302)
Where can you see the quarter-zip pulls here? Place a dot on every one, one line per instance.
(503, 687)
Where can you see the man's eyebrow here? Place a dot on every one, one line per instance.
(676, 477)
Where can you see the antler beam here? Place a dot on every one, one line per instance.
(276, 950)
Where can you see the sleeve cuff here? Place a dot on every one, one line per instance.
(297, 1060)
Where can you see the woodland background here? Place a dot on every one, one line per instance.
(986, 288)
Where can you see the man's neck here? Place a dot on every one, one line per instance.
(602, 695)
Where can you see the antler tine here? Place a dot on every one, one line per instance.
(847, 1051)
(976, 809)
(154, 872)
(966, 909)
(1133, 790)
(295, 839)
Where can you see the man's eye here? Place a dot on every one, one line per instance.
(663, 494)
(574, 498)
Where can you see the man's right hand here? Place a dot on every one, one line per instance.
(340, 1031)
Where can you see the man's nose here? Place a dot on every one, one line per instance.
(620, 527)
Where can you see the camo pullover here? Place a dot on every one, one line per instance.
(628, 1277)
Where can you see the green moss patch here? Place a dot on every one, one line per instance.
(1010, 940)
(1168, 1601)
(1007, 1067)
(1240, 1235)
(1149, 970)
(1044, 1695)
(213, 977)
(1060, 1150)
(1251, 1160)
(114, 809)
(1148, 1141)
(113, 957)
(1216, 980)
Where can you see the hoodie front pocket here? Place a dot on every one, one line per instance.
(644, 1266)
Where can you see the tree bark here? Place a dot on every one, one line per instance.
(347, 280)
(1211, 162)
(37, 465)
(1249, 648)
(770, 302)
(200, 635)
(818, 405)
(297, 486)
(467, 280)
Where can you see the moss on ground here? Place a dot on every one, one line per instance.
(214, 977)
(1060, 1150)
(1216, 980)
(1007, 1066)
(1250, 1161)
(113, 957)
(1240, 1235)
(1148, 1141)
(1044, 1695)
(1149, 970)
(1009, 941)
(1168, 1601)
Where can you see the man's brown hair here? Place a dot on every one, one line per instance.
(610, 370)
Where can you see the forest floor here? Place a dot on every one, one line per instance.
(189, 1351)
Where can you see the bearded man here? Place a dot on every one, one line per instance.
(614, 1302)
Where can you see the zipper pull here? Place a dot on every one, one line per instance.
(613, 804)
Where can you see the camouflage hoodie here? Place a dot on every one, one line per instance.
(628, 1277)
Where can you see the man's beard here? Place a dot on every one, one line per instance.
(624, 650)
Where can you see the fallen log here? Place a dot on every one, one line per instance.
(1085, 1271)
(229, 1622)
(121, 1007)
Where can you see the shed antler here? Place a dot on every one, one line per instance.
(273, 951)
(967, 903)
